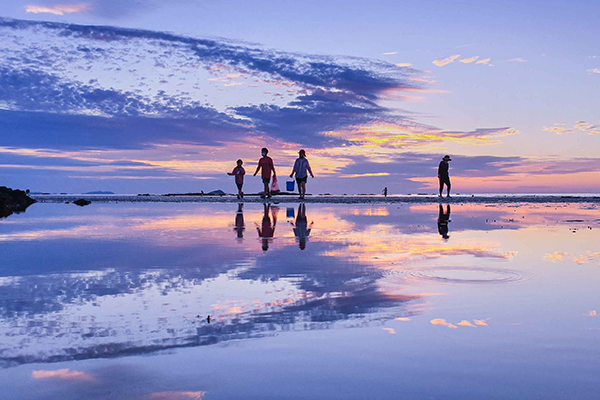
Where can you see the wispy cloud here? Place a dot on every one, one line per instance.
(469, 60)
(58, 9)
(391, 53)
(176, 395)
(594, 71)
(561, 128)
(442, 322)
(484, 61)
(440, 62)
(517, 60)
(403, 65)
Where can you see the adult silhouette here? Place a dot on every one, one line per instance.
(267, 229)
(443, 174)
(301, 228)
(301, 169)
(265, 165)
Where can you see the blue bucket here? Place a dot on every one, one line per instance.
(289, 186)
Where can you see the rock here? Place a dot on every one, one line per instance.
(100, 192)
(216, 193)
(13, 201)
(82, 202)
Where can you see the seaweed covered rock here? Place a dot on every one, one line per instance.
(13, 201)
(82, 202)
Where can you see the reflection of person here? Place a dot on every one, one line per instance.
(266, 165)
(301, 167)
(301, 227)
(239, 221)
(443, 220)
(443, 174)
(267, 231)
(239, 173)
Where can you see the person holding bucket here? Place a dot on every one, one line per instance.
(301, 167)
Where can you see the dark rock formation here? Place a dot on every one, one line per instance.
(82, 202)
(13, 201)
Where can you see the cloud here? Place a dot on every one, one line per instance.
(557, 256)
(176, 395)
(391, 331)
(560, 128)
(594, 71)
(391, 53)
(403, 65)
(442, 322)
(464, 322)
(484, 61)
(469, 60)
(402, 319)
(62, 374)
(440, 62)
(480, 322)
(517, 60)
(58, 9)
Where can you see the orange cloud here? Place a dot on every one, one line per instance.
(592, 313)
(177, 395)
(442, 322)
(403, 65)
(556, 256)
(58, 9)
(392, 331)
(440, 62)
(469, 60)
(484, 61)
(64, 374)
(480, 322)
(464, 322)
(391, 53)
(402, 319)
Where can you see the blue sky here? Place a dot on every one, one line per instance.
(153, 96)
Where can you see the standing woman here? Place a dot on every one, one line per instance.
(301, 166)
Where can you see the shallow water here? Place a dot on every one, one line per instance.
(353, 301)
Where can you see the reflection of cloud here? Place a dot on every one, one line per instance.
(176, 395)
(59, 9)
(440, 62)
(63, 374)
(589, 257)
(391, 331)
(442, 322)
(557, 256)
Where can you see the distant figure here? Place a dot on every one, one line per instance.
(239, 173)
(443, 220)
(268, 231)
(208, 319)
(266, 164)
(239, 221)
(384, 191)
(443, 175)
(301, 227)
(301, 166)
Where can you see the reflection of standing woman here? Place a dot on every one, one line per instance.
(239, 221)
(301, 167)
(301, 228)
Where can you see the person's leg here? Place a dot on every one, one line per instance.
(441, 186)
(303, 189)
(448, 186)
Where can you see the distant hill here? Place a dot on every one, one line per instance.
(99, 192)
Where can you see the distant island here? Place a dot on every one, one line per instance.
(99, 192)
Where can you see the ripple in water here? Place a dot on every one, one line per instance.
(457, 275)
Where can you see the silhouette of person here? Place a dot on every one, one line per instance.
(239, 221)
(301, 169)
(266, 165)
(443, 220)
(301, 227)
(443, 175)
(267, 231)
(384, 191)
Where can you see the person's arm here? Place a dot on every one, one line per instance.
(257, 169)
(309, 170)
(232, 172)
(439, 169)
(273, 169)
(294, 169)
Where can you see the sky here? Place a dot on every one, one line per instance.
(152, 96)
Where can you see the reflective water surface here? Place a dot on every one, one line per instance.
(324, 301)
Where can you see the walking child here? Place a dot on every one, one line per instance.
(239, 173)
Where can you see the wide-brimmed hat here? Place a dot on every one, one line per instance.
(447, 158)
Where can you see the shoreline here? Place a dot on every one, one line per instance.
(323, 199)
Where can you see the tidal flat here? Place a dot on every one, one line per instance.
(387, 300)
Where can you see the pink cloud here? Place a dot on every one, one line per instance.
(440, 62)
(58, 9)
(63, 374)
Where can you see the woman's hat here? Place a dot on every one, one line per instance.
(447, 158)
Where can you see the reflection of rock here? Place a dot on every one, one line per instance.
(82, 202)
(13, 201)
